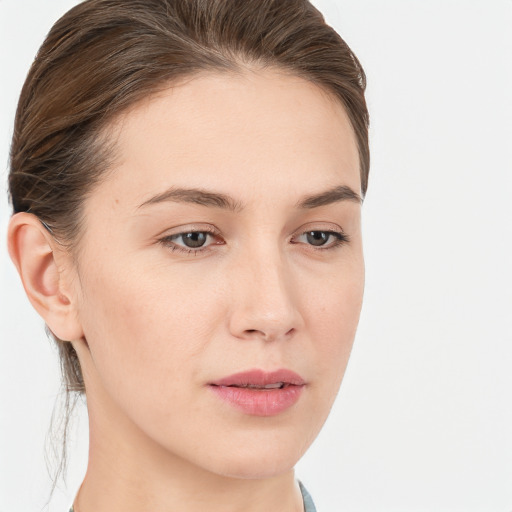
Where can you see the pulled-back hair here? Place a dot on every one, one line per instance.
(104, 56)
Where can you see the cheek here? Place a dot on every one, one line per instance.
(333, 316)
(143, 328)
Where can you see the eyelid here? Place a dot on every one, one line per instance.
(327, 227)
(190, 228)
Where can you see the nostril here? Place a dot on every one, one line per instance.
(252, 333)
(267, 336)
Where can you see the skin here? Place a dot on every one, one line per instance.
(153, 324)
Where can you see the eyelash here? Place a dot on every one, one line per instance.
(168, 241)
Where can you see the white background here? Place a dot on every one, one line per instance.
(424, 418)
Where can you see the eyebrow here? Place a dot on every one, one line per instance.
(225, 202)
(195, 196)
(333, 195)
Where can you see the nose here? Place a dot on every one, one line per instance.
(265, 302)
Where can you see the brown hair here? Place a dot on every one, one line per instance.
(103, 56)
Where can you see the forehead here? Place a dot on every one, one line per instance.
(234, 131)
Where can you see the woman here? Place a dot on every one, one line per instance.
(186, 179)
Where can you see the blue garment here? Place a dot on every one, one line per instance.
(309, 506)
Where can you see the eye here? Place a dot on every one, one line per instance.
(323, 239)
(194, 239)
(190, 241)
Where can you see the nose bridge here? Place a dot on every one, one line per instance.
(264, 304)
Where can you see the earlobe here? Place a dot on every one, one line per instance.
(40, 264)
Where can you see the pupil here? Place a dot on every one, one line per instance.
(194, 240)
(317, 237)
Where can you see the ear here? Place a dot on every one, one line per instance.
(45, 270)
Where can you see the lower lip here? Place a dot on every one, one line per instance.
(259, 402)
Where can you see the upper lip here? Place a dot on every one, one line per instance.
(260, 378)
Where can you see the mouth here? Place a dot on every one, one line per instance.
(260, 393)
(261, 379)
(275, 385)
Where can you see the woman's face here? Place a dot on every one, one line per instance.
(220, 275)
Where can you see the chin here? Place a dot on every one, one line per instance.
(261, 458)
(258, 467)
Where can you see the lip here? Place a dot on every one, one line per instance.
(256, 400)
